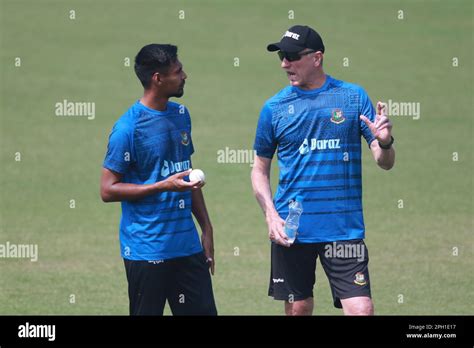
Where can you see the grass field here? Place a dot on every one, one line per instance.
(83, 60)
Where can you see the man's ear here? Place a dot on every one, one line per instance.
(318, 59)
(156, 78)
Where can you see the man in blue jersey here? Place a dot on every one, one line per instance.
(146, 166)
(316, 124)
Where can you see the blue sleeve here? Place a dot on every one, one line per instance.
(366, 108)
(191, 145)
(119, 150)
(265, 143)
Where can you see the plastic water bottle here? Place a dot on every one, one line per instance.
(292, 222)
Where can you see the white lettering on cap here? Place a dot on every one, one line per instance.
(292, 35)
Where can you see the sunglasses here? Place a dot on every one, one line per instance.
(292, 56)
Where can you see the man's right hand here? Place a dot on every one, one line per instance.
(263, 193)
(176, 182)
(275, 230)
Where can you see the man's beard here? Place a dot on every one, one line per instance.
(179, 93)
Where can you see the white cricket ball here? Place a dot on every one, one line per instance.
(197, 175)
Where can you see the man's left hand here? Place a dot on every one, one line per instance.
(208, 246)
(381, 128)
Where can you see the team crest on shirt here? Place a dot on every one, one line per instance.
(336, 116)
(360, 279)
(184, 138)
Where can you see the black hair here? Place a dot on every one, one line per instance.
(154, 58)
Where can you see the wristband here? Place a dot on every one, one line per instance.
(388, 146)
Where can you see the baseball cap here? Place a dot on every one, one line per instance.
(297, 38)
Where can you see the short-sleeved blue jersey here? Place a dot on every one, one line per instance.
(147, 146)
(318, 137)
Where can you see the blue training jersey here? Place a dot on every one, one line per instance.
(147, 146)
(318, 137)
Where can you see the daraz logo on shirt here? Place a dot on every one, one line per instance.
(318, 144)
(174, 167)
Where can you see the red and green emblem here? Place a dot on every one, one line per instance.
(184, 138)
(337, 117)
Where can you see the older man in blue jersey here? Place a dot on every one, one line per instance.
(316, 124)
(147, 162)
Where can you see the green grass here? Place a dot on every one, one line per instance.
(82, 60)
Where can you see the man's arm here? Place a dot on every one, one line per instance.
(384, 158)
(263, 193)
(113, 190)
(381, 129)
(199, 210)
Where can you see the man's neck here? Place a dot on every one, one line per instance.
(317, 82)
(152, 101)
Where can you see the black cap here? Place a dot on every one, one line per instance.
(297, 38)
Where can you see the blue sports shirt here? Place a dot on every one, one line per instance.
(318, 137)
(147, 146)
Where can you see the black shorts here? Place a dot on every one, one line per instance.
(293, 270)
(184, 281)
